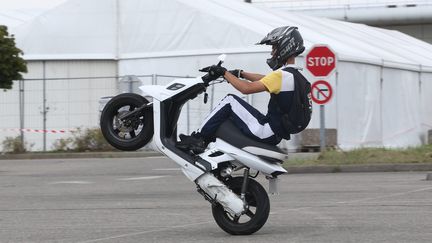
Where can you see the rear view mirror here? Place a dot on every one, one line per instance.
(222, 57)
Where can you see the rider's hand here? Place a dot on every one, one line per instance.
(236, 72)
(217, 71)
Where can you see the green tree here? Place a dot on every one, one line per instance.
(11, 64)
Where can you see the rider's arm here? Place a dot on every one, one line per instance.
(243, 86)
(251, 76)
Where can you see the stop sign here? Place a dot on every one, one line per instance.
(320, 61)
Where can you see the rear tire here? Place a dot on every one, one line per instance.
(133, 134)
(256, 214)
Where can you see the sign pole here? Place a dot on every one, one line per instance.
(322, 129)
(321, 92)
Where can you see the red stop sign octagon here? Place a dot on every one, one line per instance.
(321, 61)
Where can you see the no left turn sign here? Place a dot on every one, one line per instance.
(321, 92)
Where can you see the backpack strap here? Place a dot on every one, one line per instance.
(290, 70)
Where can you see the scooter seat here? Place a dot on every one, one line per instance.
(232, 135)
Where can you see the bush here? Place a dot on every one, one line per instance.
(89, 139)
(15, 145)
(63, 144)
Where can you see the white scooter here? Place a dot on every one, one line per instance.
(240, 205)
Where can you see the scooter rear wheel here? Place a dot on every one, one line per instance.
(255, 216)
(129, 135)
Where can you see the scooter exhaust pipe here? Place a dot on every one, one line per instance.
(220, 193)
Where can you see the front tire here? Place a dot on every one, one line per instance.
(255, 216)
(127, 135)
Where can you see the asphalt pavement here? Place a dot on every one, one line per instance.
(150, 200)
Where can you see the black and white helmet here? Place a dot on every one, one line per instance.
(286, 42)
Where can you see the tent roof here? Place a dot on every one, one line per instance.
(127, 29)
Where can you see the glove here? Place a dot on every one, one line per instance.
(215, 71)
(236, 72)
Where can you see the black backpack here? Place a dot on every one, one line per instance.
(297, 118)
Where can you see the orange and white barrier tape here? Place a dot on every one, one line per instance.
(39, 130)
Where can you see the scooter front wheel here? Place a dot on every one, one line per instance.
(131, 133)
(258, 209)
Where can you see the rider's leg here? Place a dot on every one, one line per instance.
(248, 119)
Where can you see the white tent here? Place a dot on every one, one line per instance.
(382, 84)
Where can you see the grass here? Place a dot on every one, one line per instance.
(421, 154)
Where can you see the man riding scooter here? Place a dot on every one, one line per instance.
(287, 44)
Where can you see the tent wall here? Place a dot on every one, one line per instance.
(78, 29)
(426, 104)
(71, 103)
(400, 108)
(380, 106)
(359, 108)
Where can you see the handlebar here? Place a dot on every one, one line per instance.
(207, 79)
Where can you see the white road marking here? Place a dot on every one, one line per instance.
(156, 157)
(141, 178)
(167, 169)
(71, 182)
(386, 196)
(145, 232)
(291, 209)
(356, 201)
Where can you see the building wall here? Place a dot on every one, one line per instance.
(419, 31)
(410, 17)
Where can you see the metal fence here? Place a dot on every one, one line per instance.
(42, 111)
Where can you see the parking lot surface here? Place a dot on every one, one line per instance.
(150, 200)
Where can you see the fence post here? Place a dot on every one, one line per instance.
(381, 102)
(21, 109)
(44, 112)
(154, 79)
(130, 84)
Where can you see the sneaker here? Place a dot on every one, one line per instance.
(193, 134)
(198, 135)
(194, 142)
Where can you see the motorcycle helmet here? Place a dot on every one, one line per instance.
(286, 42)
